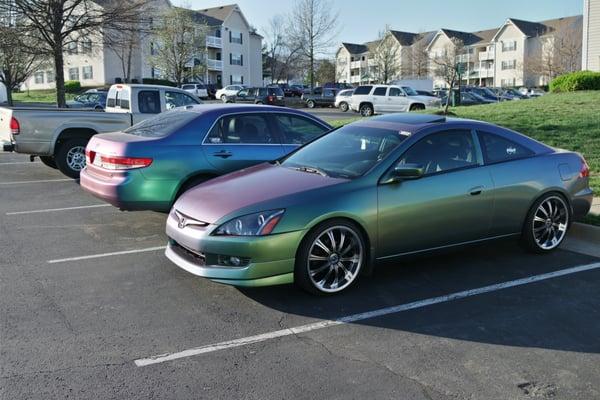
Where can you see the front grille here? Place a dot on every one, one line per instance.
(195, 257)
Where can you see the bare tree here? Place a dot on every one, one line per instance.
(16, 63)
(180, 45)
(386, 56)
(446, 65)
(312, 28)
(418, 58)
(559, 52)
(275, 38)
(125, 42)
(56, 24)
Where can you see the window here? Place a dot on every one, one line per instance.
(235, 37)
(244, 93)
(86, 46)
(236, 80)
(38, 77)
(497, 149)
(329, 93)
(395, 92)
(443, 151)
(49, 76)
(149, 101)
(380, 91)
(509, 64)
(241, 129)
(509, 45)
(363, 90)
(161, 125)
(123, 98)
(508, 82)
(74, 74)
(87, 72)
(72, 47)
(298, 130)
(178, 99)
(236, 59)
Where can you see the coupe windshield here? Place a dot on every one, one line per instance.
(348, 152)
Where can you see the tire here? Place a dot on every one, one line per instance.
(48, 161)
(322, 272)
(310, 104)
(224, 98)
(366, 110)
(416, 107)
(344, 107)
(98, 108)
(70, 157)
(546, 224)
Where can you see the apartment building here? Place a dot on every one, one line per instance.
(591, 35)
(233, 53)
(513, 54)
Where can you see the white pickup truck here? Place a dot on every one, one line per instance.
(371, 99)
(59, 136)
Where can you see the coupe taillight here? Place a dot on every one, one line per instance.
(116, 162)
(584, 172)
(15, 128)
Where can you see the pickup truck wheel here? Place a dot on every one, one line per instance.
(70, 157)
(366, 110)
(344, 107)
(48, 161)
(310, 104)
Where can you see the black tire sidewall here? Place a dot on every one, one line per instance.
(365, 107)
(344, 107)
(48, 161)
(301, 278)
(61, 156)
(310, 104)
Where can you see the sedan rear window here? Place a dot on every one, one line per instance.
(163, 124)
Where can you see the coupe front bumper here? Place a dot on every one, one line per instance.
(270, 259)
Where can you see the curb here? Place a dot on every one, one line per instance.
(585, 232)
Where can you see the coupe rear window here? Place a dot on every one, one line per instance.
(163, 124)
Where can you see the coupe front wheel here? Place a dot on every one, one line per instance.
(546, 224)
(330, 258)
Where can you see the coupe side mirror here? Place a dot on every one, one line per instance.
(404, 172)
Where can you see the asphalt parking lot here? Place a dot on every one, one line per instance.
(90, 308)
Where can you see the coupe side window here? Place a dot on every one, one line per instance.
(443, 151)
(241, 129)
(497, 149)
(149, 101)
(298, 130)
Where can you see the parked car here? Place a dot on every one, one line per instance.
(514, 93)
(375, 99)
(92, 98)
(59, 137)
(425, 93)
(375, 190)
(484, 92)
(531, 92)
(212, 88)
(321, 97)
(272, 95)
(469, 99)
(297, 90)
(147, 166)
(229, 90)
(342, 99)
(198, 89)
(337, 85)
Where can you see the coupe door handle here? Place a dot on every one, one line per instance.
(222, 154)
(476, 191)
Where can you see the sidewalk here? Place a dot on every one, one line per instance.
(595, 206)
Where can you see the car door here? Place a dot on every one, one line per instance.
(178, 99)
(397, 100)
(244, 96)
(240, 140)
(378, 98)
(296, 130)
(328, 97)
(451, 203)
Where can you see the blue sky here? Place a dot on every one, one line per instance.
(359, 23)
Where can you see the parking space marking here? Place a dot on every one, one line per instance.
(360, 317)
(40, 181)
(116, 253)
(20, 162)
(57, 209)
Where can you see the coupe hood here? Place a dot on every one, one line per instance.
(221, 196)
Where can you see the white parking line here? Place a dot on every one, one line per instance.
(20, 162)
(40, 181)
(57, 209)
(360, 317)
(116, 253)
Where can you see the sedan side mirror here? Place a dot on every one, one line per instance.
(403, 172)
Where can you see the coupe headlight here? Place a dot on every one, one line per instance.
(258, 224)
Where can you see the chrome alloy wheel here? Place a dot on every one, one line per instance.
(550, 222)
(335, 259)
(76, 158)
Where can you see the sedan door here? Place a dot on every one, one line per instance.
(451, 203)
(240, 140)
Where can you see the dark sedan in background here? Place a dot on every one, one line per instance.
(148, 165)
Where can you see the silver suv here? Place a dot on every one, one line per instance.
(372, 99)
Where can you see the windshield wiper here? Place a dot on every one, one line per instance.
(311, 170)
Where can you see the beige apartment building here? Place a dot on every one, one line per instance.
(591, 35)
(233, 53)
(518, 53)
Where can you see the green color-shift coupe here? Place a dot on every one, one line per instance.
(376, 189)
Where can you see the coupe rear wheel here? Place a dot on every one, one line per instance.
(330, 258)
(70, 157)
(546, 224)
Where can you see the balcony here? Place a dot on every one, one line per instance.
(486, 55)
(214, 65)
(357, 64)
(355, 79)
(213, 41)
